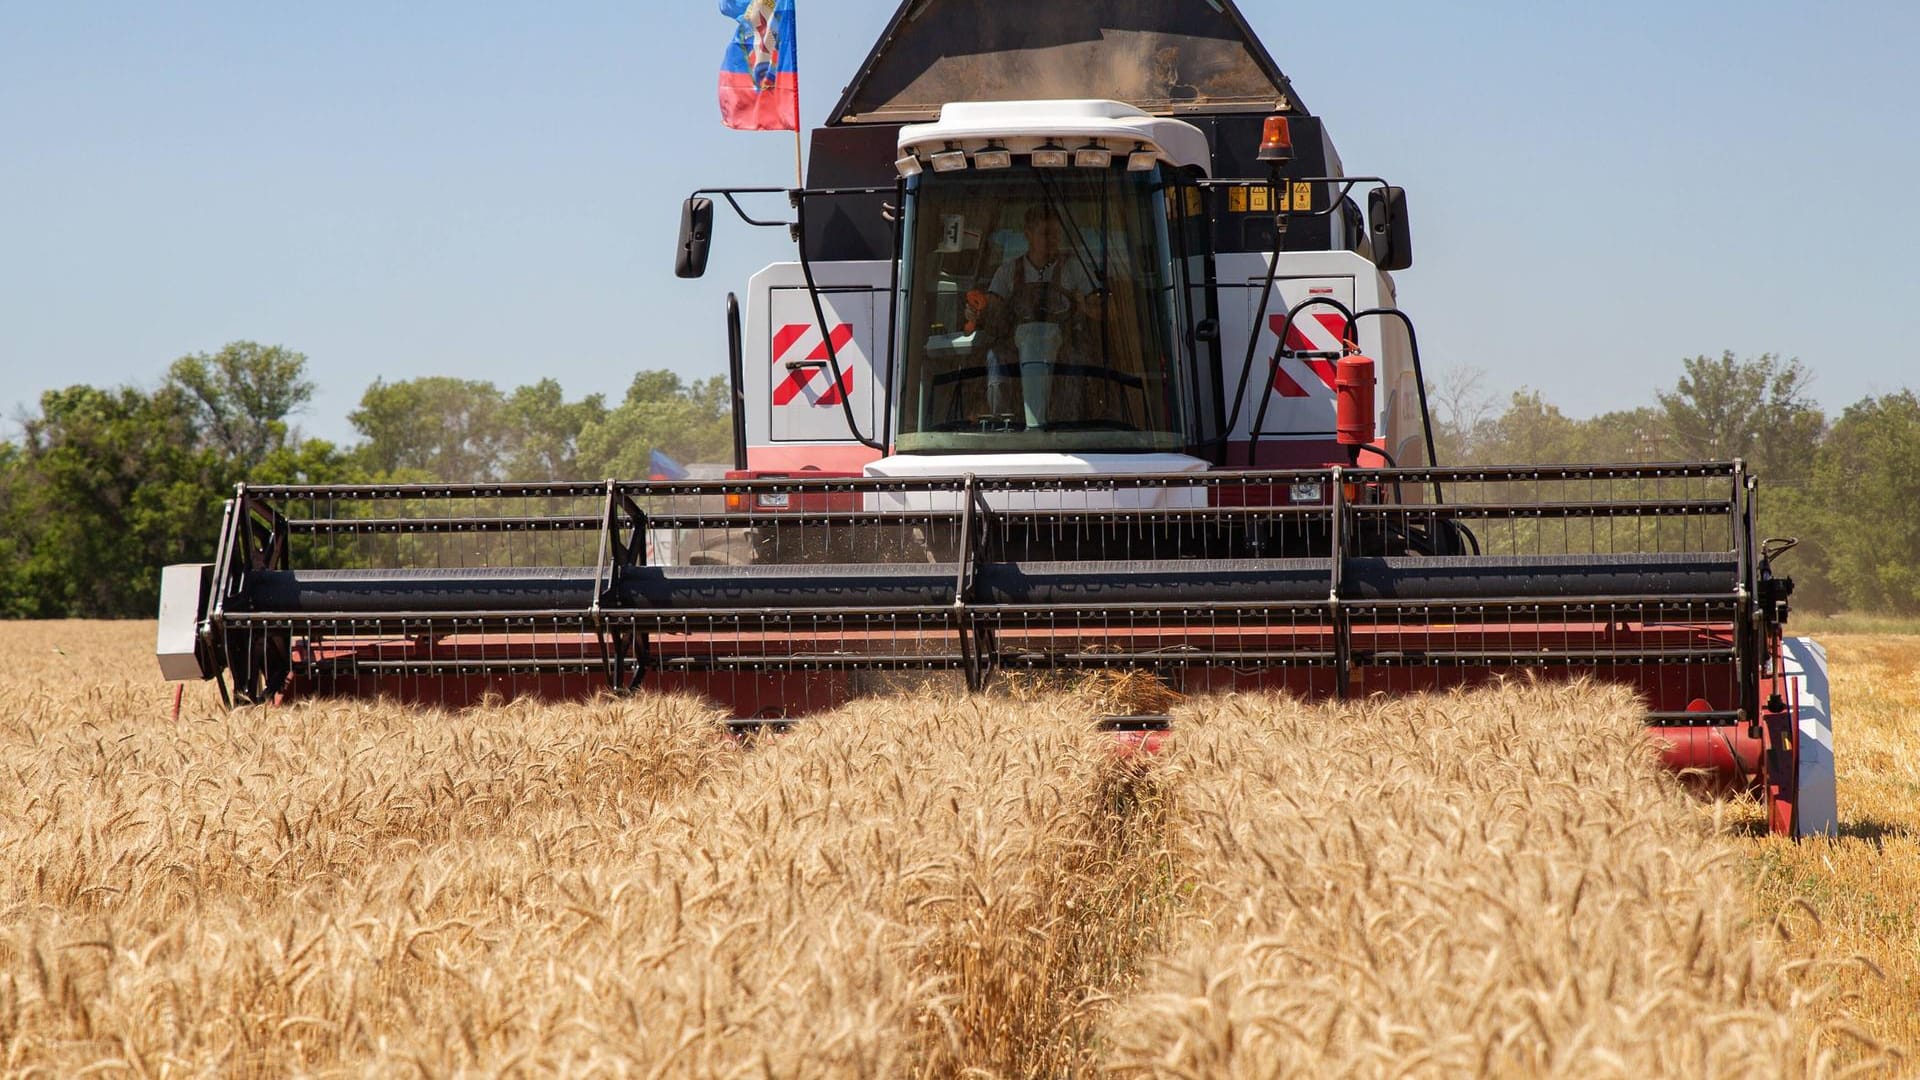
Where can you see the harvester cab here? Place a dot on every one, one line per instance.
(1089, 362)
(1071, 286)
(1052, 302)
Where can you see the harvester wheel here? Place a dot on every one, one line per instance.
(1815, 807)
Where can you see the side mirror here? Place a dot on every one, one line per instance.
(696, 237)
(1391, 233)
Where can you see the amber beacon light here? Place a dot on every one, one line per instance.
(1276, 141)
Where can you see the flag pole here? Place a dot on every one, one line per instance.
(799, 172)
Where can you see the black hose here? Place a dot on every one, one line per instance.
(820, 320)
(1391, 464)
(736, 372)
(893, 311)
(1253, 337)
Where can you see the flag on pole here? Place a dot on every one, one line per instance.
(760, 79)
(662, 467)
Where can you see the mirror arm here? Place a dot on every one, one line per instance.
(731, 195)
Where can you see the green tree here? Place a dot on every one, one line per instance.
(1865, 539)
(1624, 435)
(108, 486)
(543, 432)
(310, 461)
(15, 541)
(436, 427)
(1757, 410)
(242, 395)
(1530, 432)
(660, 412)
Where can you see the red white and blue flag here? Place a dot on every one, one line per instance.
(760, 79)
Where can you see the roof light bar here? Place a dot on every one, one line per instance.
(950, 161)
(1142, 159)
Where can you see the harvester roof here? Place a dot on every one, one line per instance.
(1165, 58)
(1017, 124)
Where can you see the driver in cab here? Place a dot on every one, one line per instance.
(1031, 299)
(1041, 285)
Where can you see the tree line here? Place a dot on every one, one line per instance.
(105, 485)
(1846, 487)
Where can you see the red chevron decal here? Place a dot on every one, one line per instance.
(800, 379)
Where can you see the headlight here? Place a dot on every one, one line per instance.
(1306, 493)
(993, 157)
(1092, 156)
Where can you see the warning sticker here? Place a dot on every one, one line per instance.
(1260, 200)
(1236, 200)
(1302, 196)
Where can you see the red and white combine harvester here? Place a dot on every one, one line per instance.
(1089, 360)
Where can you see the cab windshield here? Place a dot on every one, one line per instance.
(1040, 314)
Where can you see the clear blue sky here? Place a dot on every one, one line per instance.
(490, 189)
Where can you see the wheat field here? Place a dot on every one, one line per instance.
(1501, 884)
(1848, 912)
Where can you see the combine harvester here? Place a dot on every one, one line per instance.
(1090, 360)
